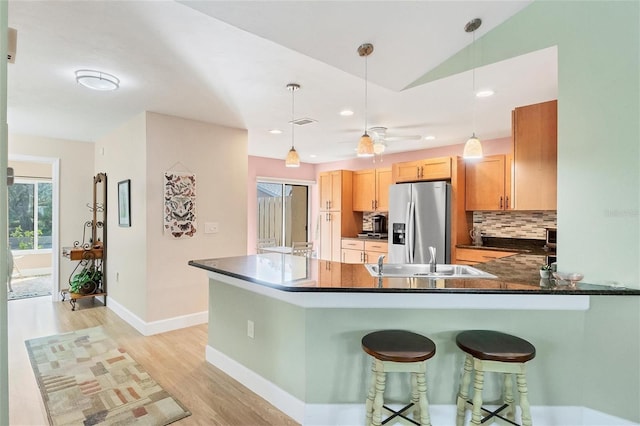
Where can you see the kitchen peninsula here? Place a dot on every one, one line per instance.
(289, 328)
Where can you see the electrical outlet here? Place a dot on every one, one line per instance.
(250, 328)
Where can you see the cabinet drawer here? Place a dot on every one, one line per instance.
(353, 244)
(471, 256)
(381, 247)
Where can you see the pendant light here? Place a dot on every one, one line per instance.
(293, 159)
(473, 147)
(365, 146)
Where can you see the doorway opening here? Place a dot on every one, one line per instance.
(32, 228)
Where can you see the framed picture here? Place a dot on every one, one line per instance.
(124, 203)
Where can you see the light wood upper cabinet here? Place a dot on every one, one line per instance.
(488, 183)
(384, 179)
(335, 190)
(371, 189)
(422, 170)
(535, 156)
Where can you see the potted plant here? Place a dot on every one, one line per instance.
(545, 271)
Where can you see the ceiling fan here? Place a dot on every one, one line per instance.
(380, 138)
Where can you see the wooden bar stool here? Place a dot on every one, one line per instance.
(492, 351)
(397, 351)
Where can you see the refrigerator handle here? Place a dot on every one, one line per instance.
(407, 229)
(411, 231)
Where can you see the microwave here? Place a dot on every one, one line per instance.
(551, 239)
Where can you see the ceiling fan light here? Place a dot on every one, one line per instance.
(365, 146)
(378, 148)
(293, 159)
(472, 149)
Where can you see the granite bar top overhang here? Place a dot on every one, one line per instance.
(517, 274)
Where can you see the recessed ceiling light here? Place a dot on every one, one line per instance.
(275, 131)
(346, 113)
(430, 138)
(312, 156)
(97, 80)
(484, 93)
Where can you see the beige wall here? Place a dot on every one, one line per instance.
(122, 155)
(218, 157)
(76, 171)
(147, 270)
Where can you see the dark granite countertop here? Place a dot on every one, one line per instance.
(517, 274)
(516, 245)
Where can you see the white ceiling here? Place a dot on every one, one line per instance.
(228, 62)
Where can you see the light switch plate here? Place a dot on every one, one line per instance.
(211, 227)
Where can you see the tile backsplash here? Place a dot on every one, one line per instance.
(367, 221)
(515, 224)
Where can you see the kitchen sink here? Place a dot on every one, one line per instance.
(421, 270)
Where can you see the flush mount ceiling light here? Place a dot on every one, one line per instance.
(365, 145)
(275, 131)
(473, 147)
(293, 159)
(97, 80)
(346, 113)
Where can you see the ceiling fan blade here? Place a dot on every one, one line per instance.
(403, 138)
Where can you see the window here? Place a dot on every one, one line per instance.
(30, 215)
(283, 212)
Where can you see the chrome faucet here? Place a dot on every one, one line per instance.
(380, 261)
(432, 262)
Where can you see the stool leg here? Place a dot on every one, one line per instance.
(423, 403)
(378, 400)
(463, 393)
(371, 395)
(524, 400)
(415, 396)
(478, 382)
(508, 396)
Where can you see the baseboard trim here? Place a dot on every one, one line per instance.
(353, 414)
(156, 327)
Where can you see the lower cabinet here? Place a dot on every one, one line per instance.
(468, 256)
(363, 251)
(330, 273)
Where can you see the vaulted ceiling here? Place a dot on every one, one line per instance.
(228, 62)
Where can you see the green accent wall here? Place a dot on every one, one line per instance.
(598, 132)
(584, 358)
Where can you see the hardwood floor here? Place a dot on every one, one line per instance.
(174, 359)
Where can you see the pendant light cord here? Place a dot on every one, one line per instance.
(365, 93)
(293, 101)
(473, 79)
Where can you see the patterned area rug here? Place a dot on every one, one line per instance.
(85, 379)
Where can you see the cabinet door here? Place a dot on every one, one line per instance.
(325, 190)
(406, 172)
(435, 169)
(326, 235)
(335, 203)
(363, 190)
(535, 148)
(352, 256)
(383, 181)
(335, 218)
(484, 186)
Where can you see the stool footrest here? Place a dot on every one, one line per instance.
(494, 413)
(399, 413)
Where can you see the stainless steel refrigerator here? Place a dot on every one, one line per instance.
(419, 217)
